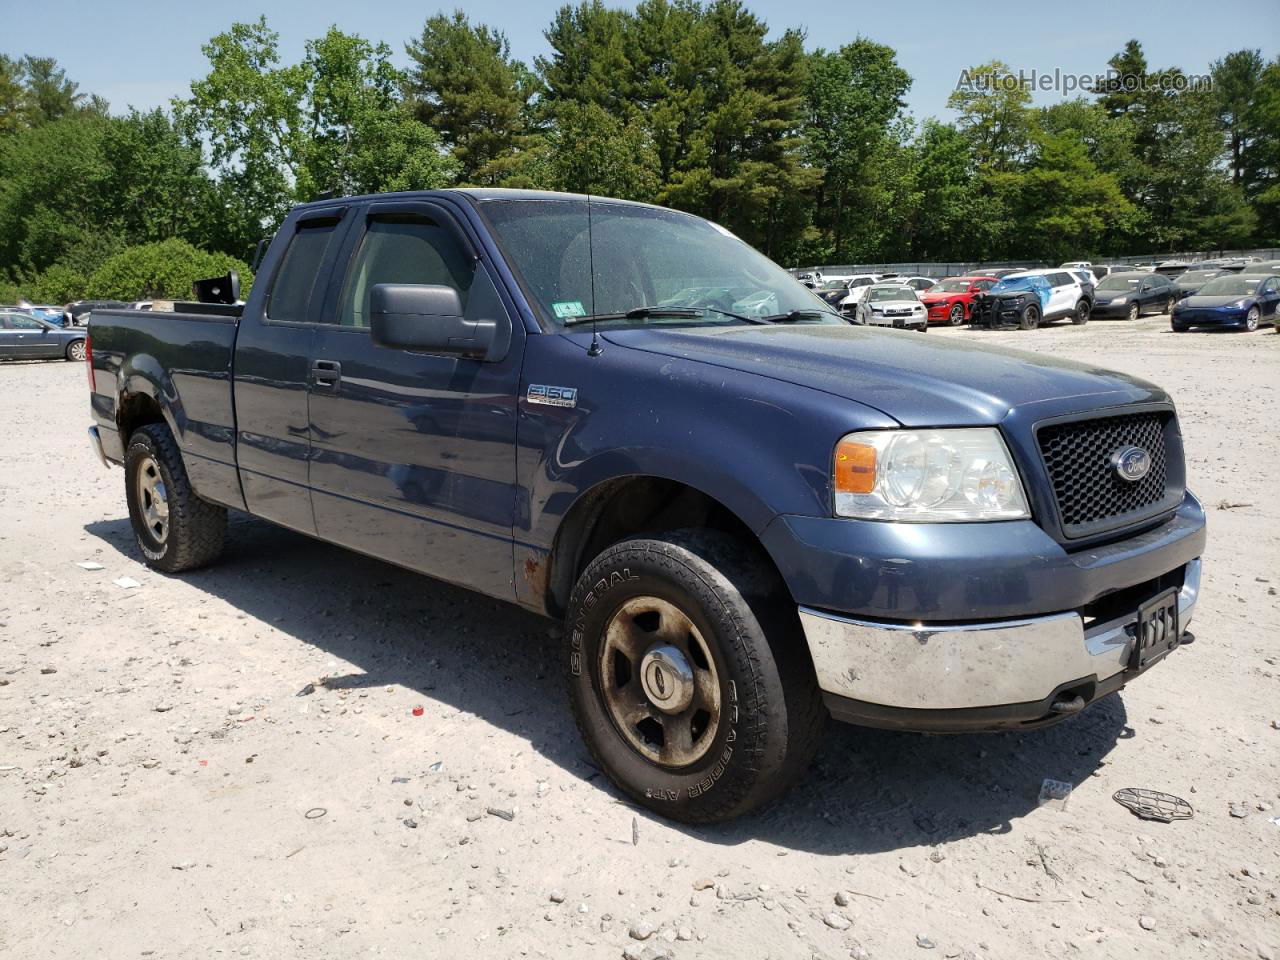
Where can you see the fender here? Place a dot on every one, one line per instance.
(680, 420)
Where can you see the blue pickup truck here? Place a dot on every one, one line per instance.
(749, 514)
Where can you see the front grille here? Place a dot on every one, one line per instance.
(1090, 494)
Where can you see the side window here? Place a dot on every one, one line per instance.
(295, 280)
(403, 249)
(19, 322)
(1273, 285)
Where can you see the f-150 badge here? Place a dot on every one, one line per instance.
(553, 396)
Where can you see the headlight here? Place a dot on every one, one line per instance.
(927, 475)
(1238, 305)
(1120, 300)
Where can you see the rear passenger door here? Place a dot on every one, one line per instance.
(413, 454)
(1063, 298)
(272, 369)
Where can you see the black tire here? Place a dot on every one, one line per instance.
(924, 327)
(75, 350)
(956, 316)
(1252, 319)
(770, 715)
(194, 530)
(1135, 311)
(1030, 318)
(1081, 316)
(1178, 327)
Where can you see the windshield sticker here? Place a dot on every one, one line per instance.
(566, 309)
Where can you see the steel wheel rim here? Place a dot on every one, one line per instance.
(1033, 318)
(153, 499)
(77, 350)
(957, 315)
(1133, 311)
(632, 671)
(1251, 320)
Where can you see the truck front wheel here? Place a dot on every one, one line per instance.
(174, 528)
(689, 677)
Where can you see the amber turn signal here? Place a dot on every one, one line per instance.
(855, 467)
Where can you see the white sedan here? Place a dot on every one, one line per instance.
(887, 305)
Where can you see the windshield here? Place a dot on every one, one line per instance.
(832, 285)
(1118, 281)
(891, 293)
(1015, 283)
(635, 257)
(1229, 287)
(949, 286)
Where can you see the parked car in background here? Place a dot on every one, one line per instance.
(997, 272)
(834, 290)
(889, 305)
(1240, 302)
(1077, 265)
(1019, 301)
(1069, 295)
(140, 305)
(1087, 282)
(950, 301)
(1191, 281)
(853, 285)
(24, 337)
(77, 311)
(1132, 294)
(1172, 268)
(917, 283)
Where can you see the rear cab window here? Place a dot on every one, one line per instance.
(297, 276)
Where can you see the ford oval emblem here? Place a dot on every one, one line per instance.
(1131, 463)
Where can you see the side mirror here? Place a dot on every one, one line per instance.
(427, 318)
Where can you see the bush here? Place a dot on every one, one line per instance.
(161, 271)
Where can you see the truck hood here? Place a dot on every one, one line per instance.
(917, 380)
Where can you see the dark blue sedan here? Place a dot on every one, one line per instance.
(1240, 302)
(24, 337)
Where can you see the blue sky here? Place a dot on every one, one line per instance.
(143, 52)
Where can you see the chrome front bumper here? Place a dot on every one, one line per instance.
(971, 666)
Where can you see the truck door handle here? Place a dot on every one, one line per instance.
(326, 373)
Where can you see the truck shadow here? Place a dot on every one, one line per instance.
(869, 790)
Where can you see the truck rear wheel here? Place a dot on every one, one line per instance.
(174, 528)
(688, 675)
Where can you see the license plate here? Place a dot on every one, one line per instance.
(1157, 631)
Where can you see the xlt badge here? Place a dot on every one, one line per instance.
(551, 396)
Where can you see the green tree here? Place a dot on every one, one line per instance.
(49, 94)
(592, 151)
(993, 106)
(337, 121)
(1261, 157)
(466, 85)
(852, 97)
(952, 220)
(1062, 204)
(1237, 79)
(164, 270)
(12, 95)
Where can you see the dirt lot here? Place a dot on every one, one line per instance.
(166, 792)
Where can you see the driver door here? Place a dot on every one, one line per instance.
(413, 454)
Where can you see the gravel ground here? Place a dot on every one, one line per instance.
(166, 791)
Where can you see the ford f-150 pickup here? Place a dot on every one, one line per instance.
(748, 513)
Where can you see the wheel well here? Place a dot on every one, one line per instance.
(625, 507)
(136, 410)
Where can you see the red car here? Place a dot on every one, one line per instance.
(950, 301)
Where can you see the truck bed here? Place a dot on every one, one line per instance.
(184, 357)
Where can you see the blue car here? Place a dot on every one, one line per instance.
(1239, 302)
